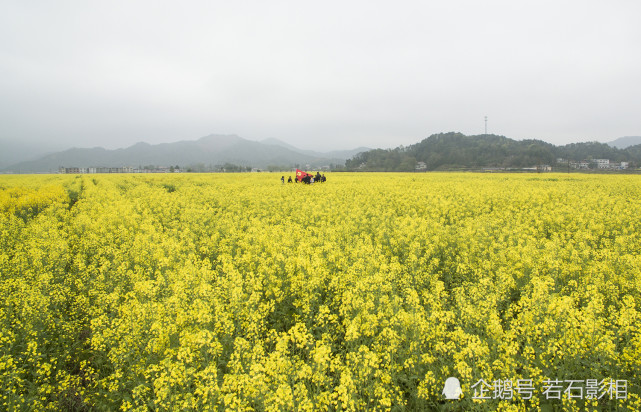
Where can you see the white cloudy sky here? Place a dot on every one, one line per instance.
(330, 74)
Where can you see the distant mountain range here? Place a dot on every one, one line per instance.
(203, 154)
(334, 154)
(625, 142)
(12, 151)
(444, 151)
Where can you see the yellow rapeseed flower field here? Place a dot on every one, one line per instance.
(234, 291)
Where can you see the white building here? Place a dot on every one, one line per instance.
(602, 163)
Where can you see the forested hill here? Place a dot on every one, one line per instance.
(447, 151)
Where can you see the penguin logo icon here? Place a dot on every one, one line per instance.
(452, 389)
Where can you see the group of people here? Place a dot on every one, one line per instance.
(306, 178)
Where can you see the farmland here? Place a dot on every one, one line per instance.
(234, 291)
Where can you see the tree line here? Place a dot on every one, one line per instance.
(452, 151)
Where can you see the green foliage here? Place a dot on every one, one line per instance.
(450, 151)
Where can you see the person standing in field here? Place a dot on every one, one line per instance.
(289, 180)
(282, 179)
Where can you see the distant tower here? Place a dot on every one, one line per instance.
(485, 124)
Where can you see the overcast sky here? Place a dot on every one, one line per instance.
(318, 74)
